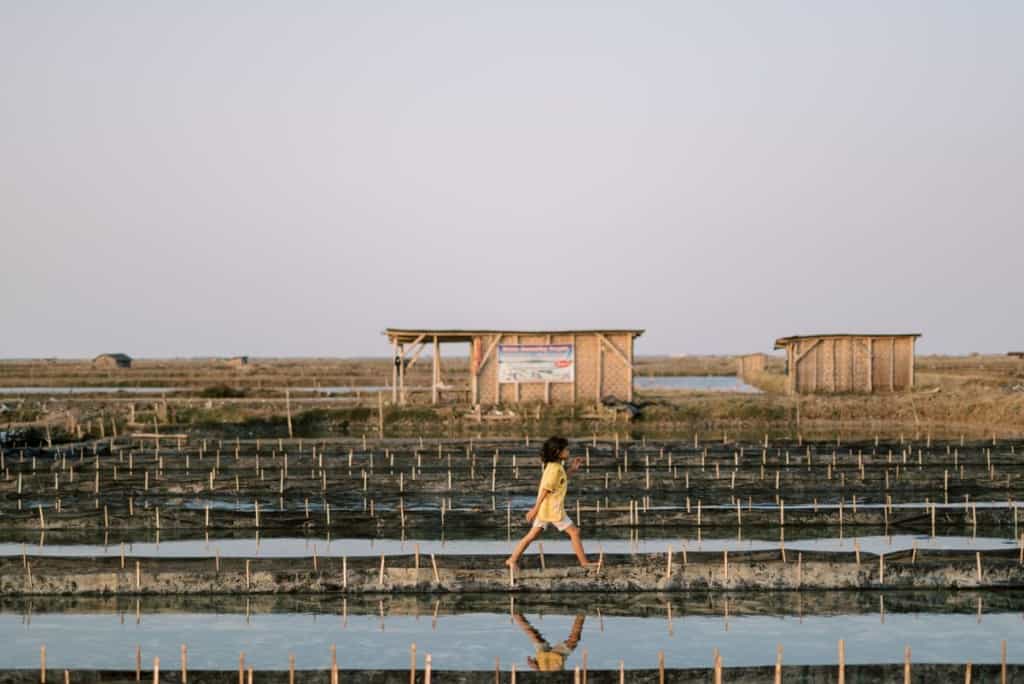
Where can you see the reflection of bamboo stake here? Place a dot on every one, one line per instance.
(842, 662)
(1002, 662)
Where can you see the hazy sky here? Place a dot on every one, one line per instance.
(289, 178)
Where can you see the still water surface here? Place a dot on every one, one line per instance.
(473, 640)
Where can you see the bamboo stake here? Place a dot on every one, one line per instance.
(1002, 662)
(433, 564)
(906, 665)
(661, 667)
(42, 664)
(426, 669)
(381, 578)
(412, 663)
(184, 664)
(291, 668)
(138, 663)
(156, 670)
(778, 664)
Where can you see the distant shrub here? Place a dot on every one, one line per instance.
(222, 392)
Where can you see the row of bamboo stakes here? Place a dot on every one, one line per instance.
(580, 672)
(669, 555)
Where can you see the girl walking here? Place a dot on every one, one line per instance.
(549, 508)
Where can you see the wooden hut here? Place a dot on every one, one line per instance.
(514, 366)
(112, 361)
(848, 363)
(1018, 354)
(238, 361)
(750, 365)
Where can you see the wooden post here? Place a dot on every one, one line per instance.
(42, 664)
(778, 664)
(426, 669)
(288, 411)
(412, 656)
(184, 664)
(156, 670)
(661, 667)
(138, 663)
(435, 393)
(1002, 662)
(906, 665)
(241, 668)
(433, 564)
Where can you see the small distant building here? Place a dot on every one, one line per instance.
(514, 366)
(849, 363)
(238, 361)
(112, 361)
(1019, 355)
(750, 365)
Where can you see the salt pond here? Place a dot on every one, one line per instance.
(300, 547)
(473, 640)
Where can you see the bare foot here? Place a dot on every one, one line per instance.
(588, 565)
(512, 564)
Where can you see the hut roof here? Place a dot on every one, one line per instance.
(404, 335)
(783, 341)
(116, 355)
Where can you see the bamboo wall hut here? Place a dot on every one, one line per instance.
(112, 361)
(517, 366)
(848, 363)
(750, 365)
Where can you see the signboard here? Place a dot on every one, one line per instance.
(536, 363)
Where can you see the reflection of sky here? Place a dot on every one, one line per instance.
(553, 543)
(708, 383)
(472, 641)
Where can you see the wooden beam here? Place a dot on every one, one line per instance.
(574, 369)
(416, 355)
(892, 364)
(401, 374)
(547, 384)
(436, 371)
(871, 364)
(600, 369)
(394, 373)
(618, 352)
(517, 397)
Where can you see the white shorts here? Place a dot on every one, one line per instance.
(562, 525)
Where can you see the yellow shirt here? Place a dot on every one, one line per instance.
(549, 661)
(554, 479)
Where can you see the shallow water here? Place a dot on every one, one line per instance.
(553, 543)
(473, 640)
(707, 383)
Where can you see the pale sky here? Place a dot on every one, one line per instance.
(290, 178)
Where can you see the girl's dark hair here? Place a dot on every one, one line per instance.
(553, 446)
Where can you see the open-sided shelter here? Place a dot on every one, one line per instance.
(116, 360)
(513, 366)
(849, 362)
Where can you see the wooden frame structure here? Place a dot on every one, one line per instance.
(603, 364)
(849, 362)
